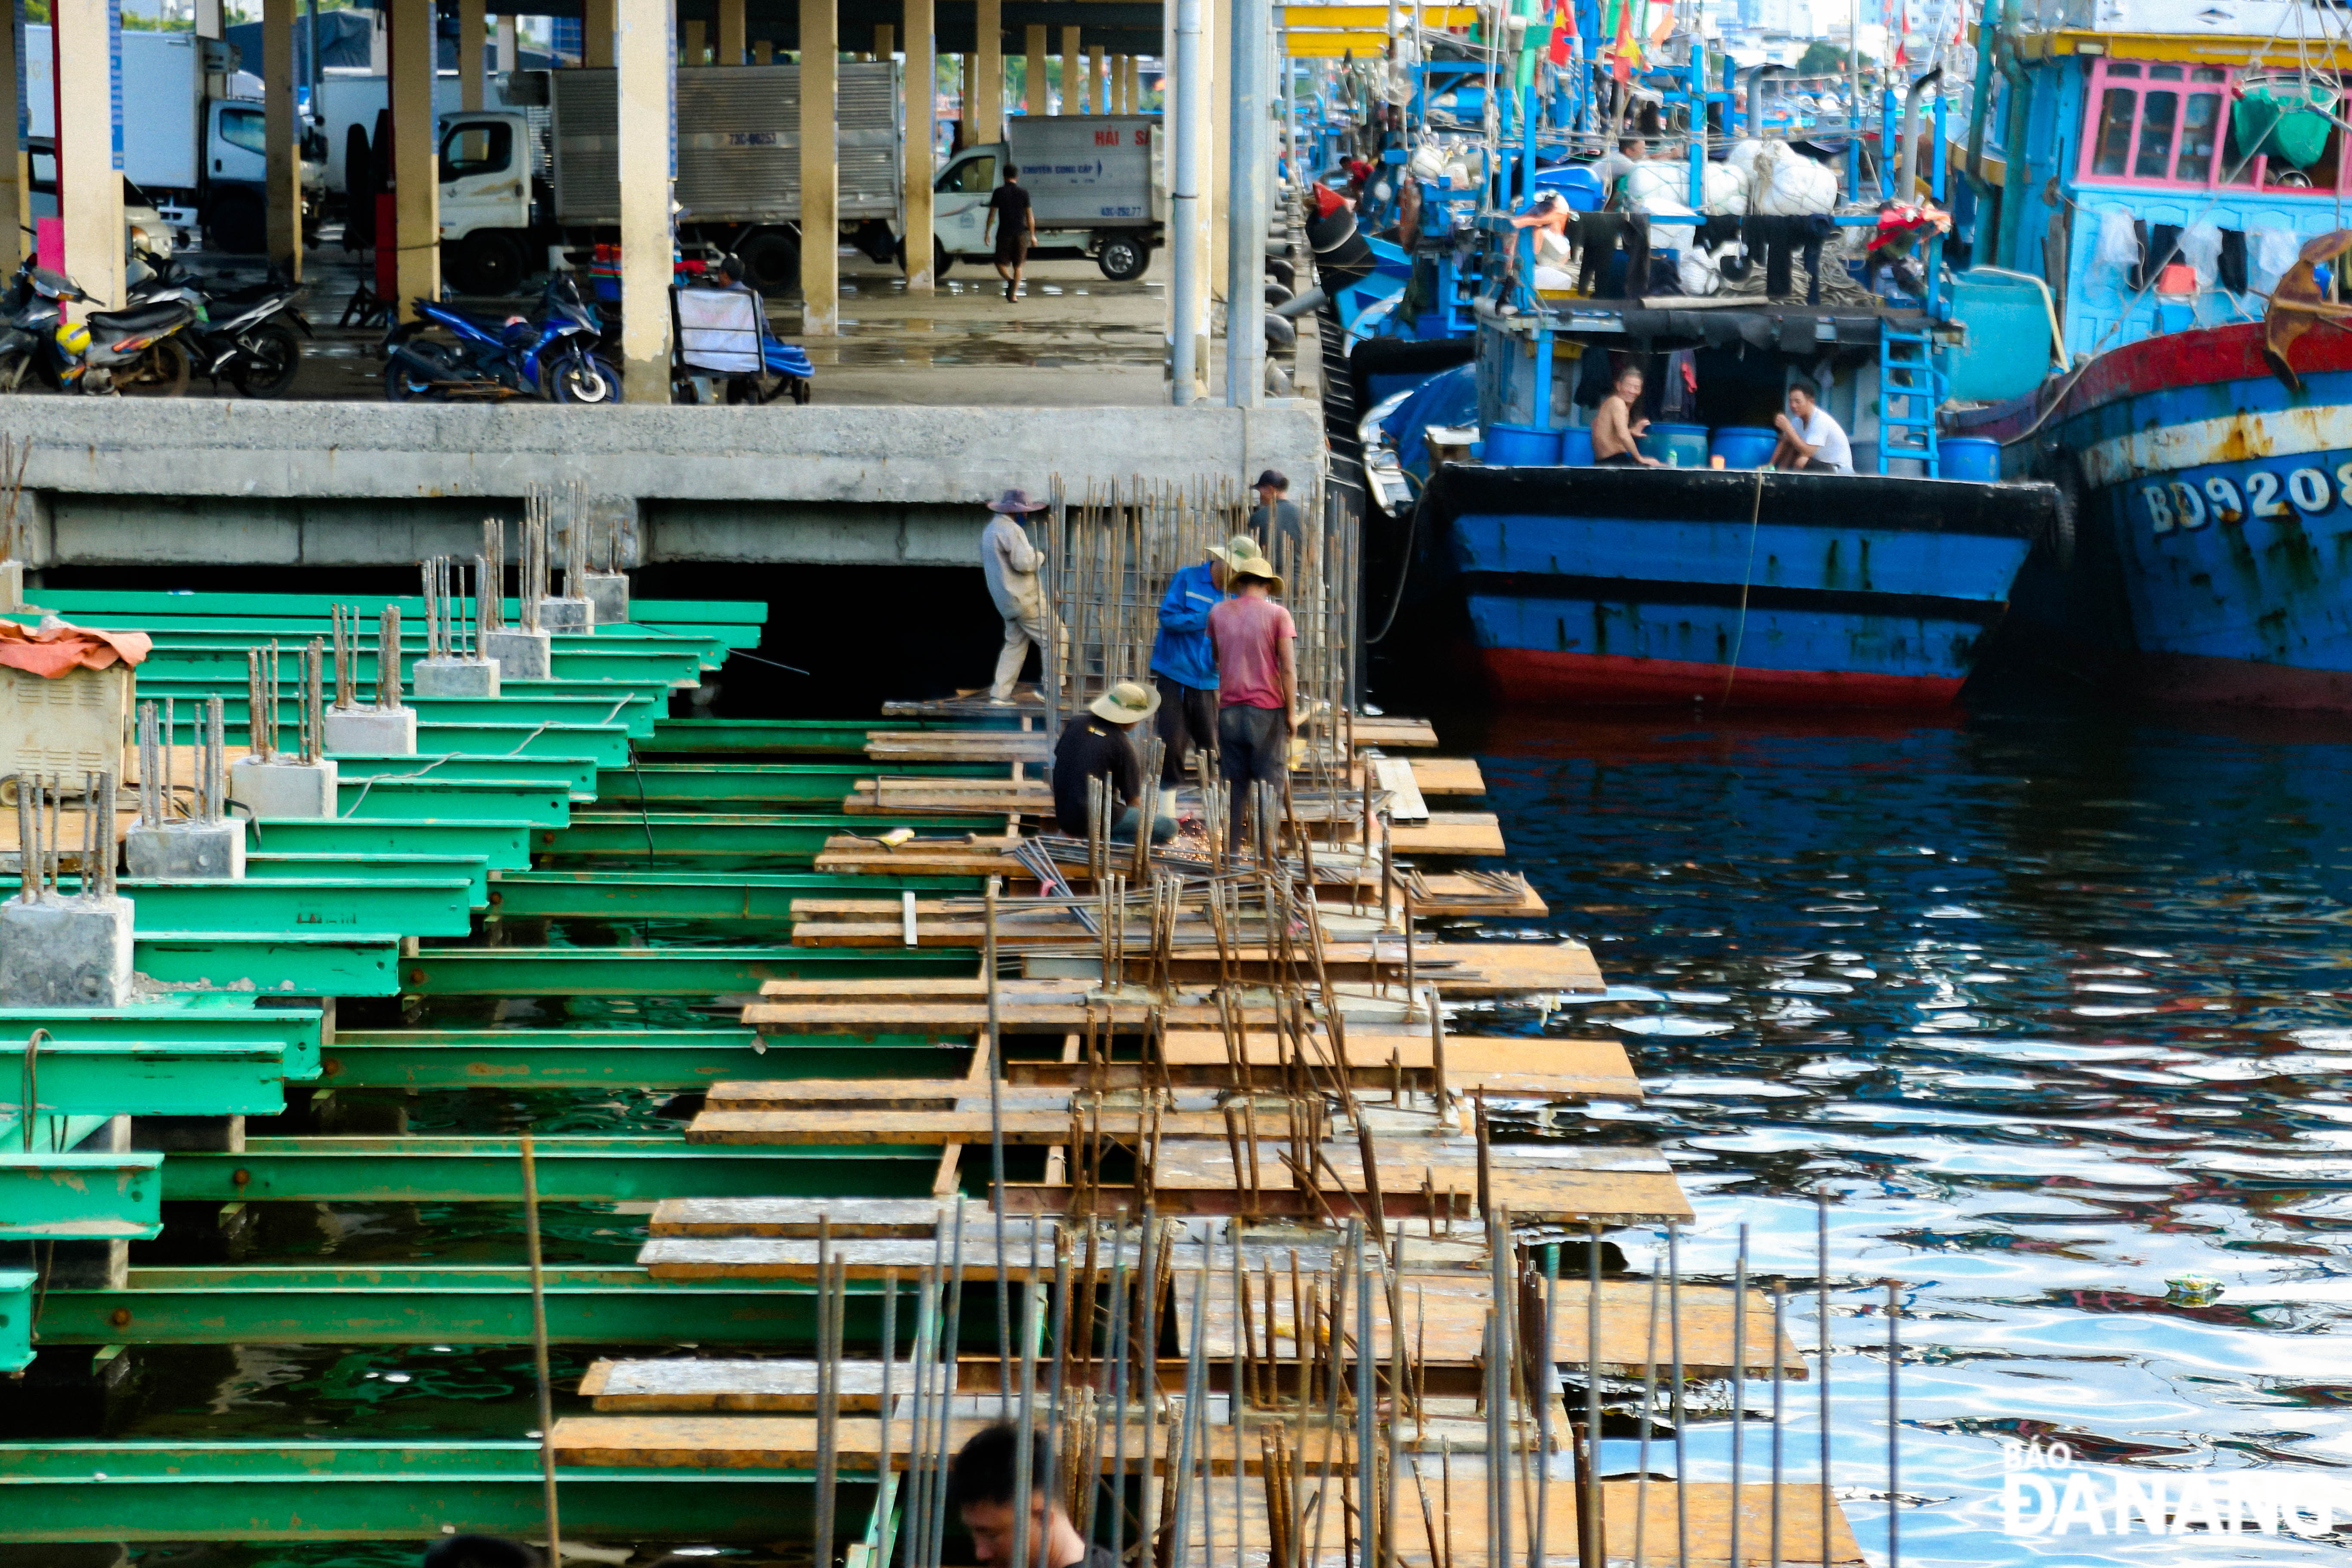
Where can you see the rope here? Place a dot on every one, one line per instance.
(32, 1082)
(1739, 636)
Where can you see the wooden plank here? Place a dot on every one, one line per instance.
(1394, 774)
(1444, 1318)
(795, 1258)
(1447, 775)
(980, 857)
(961, 745)
(1572, 1185)
(1505, 1066)
(1386, 730)
(1451, 894)
(789, 1443)
(931, 1128)
(847, 1218)
(1450, 833)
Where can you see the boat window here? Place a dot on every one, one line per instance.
(2114, 143)
(2198, 129)
(2159, 113)
(2118, 68)
(2164, 73)
(2208, 73)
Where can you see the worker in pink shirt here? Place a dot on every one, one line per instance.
(1257, 680)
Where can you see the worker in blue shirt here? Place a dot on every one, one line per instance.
(1184, 662)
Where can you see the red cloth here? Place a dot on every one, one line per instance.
(1327, 200)
(1248, 632)
(50, 651)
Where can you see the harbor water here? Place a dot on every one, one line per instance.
(2051, 1004)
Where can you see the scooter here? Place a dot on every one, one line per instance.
(137, 349)
(246, 336)
(546, 354)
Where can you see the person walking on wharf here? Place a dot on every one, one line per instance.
(1014, 233)
(1257, 681)
(1100, 745)
(1010, 562)
(1184, 665)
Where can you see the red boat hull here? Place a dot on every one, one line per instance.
(1534, 676)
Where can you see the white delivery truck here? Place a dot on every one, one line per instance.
(738, 187)
(203, 162)
(1094, 187)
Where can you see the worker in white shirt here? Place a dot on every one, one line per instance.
(1010, 561)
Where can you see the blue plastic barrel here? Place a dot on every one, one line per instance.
(1521, 446)
(1742, 445)
(1675, 446)
(1969, 458)
(1576, 447)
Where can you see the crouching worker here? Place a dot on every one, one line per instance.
(1098, 746)
(983, 1485)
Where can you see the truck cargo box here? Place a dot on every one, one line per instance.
(738, 138)
(1089, 171)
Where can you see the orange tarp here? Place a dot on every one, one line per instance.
(54, 649)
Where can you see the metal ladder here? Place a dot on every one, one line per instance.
(1909, 382)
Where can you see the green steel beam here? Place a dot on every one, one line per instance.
(155, 1077)
(404, 1491)
(483, 1305)
(571, 1169)
(620, 894)
(684, 617)
(356, 867)
(189, 1019)
(610, 1058)
(542, 802)
(440, 907)
(625, 835)
(16, 1319)
(781, 736)
(606, 744)
(530, 702)
(577, 774)
(80, 1196)
(291, 963)
(505, 845)
(752, 783)
(655, 971)
(221, 660)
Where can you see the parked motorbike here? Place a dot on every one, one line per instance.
(549, 353)
(246, 336)
(139, 350)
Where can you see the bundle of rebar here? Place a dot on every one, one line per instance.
(387, 660)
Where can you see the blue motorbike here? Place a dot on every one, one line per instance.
(549, 353)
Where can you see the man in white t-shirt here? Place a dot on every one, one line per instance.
(1810, 438)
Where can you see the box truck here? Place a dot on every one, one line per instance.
(203, 160)
(1094, 184)
(503, 202)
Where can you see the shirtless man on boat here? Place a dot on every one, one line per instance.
(1614, 425)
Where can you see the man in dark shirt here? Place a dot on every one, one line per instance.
(1015, 227)
(1096, 746)
(982, 1486)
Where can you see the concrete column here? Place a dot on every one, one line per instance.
(886, 40)
(209, 25)
(967, 88)
(1097, 85)
(597, 25)
(1188, 293)
(15, 182)
(1217, 24)
(473, 45)
(1073, 69)
(645, 46)
(1245, 230)
(1122, 102)
(89, 189)
(983, 114)
(509, 46)
(1032, 71)
(763, 53)
(697, 49)
(284, 200)
(731, 29)
(922, 113)
(820, 171)
(415, 173)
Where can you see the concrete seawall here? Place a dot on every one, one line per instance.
(221, 482)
